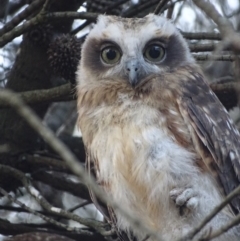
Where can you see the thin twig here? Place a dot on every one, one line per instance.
(143, 6)
(47, 219)
(224, 228)
(98, 226)
(46, 6)
(80, 27)
(104, 11)
(83, 204)
(138, 8)
(160, 6)
(170, 12)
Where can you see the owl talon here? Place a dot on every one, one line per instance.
(186, 199)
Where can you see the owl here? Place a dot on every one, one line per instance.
(157, 138)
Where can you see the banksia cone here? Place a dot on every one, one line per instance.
(64, 55)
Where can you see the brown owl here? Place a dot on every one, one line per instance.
(160, 142)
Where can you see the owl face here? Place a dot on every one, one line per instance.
(130, 49)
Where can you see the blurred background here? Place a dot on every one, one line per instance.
(43, 56)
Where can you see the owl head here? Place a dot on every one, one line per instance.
(130, 49)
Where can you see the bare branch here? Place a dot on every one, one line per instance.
(196, 47)
(138, 8)
(59, 93)
(170, 11)
(47, 219)
(21, 16)
(159, 8)
(62, 93)
(230, 37)
(63, 184)
(41, 18)
(202, 36)
(46, 161)
(83, 204)
(206, 57)
(224, 228)
(98, 226)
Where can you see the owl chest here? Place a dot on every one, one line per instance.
(138, 161)
(135, 146)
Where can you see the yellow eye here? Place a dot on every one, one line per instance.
(154, 53)
(110, 55)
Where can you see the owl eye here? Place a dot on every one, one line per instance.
(110, 55)
(154, 53)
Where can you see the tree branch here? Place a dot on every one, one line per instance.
(8, 228)
(196, 47)
(206, 57)
(227, 93)
(230, 37)
(60, 93)
(159, 8)
(224, 228)
(43, 17)
(202, 36)
(98, 226)
(21, 16)
(47, 219)
(63, 184)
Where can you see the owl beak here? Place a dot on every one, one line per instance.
(132, 68)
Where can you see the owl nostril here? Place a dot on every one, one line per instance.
(132, 65)
(128, 69)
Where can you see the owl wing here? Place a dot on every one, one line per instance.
(107, 212)
(101, 207)
(211, 123)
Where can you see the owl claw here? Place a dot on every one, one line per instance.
(185, 199)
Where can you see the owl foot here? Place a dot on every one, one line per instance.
(185, 199)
